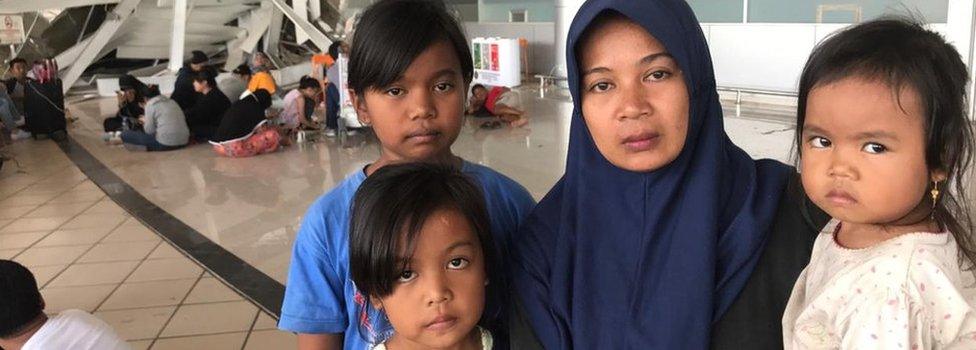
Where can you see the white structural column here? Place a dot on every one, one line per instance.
(317, 37)
(301, 11)
(178, 38)
(98, 40)
(565, 12)
(273, 35)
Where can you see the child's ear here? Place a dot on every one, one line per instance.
(937, 175)
(359, 102)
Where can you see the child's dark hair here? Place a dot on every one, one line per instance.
(389, 210)
(16, 61)
(903, 54)
(20, 301)
(392, 33)
(308, 82)
(334, 49)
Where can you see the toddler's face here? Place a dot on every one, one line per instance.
(440, 295)
(863, 152)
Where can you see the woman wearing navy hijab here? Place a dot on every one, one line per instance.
(662, 234)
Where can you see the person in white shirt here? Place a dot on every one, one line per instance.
(885, 143)
(25, 326)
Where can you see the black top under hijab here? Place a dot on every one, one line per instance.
(242, 116)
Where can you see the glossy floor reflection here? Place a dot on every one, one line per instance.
(253, 206)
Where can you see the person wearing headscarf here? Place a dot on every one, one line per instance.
(662, 233)
(234, 85)
(242, 116)
(262, 78)
(164, 125)
(183, 92)
(130, 95)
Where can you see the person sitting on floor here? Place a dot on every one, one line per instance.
(164, 125)
(498, 101)
(234, 85)
(242, 116)
(245, 130)
(129, 96)
(183, 92)
(17, 82)
(204, 117)
(262, 78)
(300, 105)
(12, 119)
(25, 326)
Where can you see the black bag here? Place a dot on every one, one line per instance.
(44, 108)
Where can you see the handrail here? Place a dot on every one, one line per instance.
(770, 92)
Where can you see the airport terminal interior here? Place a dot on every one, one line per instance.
(190, 248)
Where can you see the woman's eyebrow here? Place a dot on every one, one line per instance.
(646, 60)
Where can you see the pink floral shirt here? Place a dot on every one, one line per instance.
(908, 292)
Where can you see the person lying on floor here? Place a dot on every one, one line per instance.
(497, 101)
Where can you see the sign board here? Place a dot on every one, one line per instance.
(11, 29)
(496, 61)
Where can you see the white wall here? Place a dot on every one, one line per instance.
(766, 56)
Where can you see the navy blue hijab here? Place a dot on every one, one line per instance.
(613, 259)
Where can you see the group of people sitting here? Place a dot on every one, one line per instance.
(234, 113)
(31, 101)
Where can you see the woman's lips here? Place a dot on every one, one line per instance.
(641, 142)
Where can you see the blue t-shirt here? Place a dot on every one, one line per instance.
(320, 296)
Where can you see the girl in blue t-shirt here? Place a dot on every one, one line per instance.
(420, 251)
(409, 72)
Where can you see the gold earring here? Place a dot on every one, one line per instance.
(935, 193)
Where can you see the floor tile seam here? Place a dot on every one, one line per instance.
(45, 177)
(123, 281)
(175, 310)
(251, 329)
(193, 335)
(49, 234)
(210, 256)
(75, 261)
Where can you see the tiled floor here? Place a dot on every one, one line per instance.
(88, 254)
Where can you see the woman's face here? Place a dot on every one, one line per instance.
(634, 96)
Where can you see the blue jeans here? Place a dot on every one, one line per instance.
(139, 138)
(331, 106)
(8, 113)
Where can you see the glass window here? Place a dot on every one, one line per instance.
(843, 11)
(717, 11)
